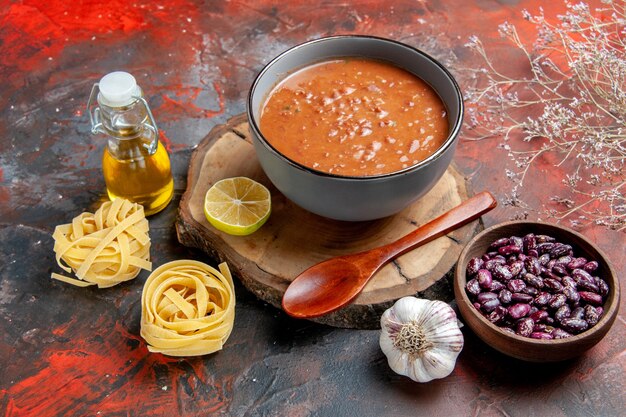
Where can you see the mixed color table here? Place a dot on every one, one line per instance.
(68, 351)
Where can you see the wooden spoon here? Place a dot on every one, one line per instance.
(330, 285)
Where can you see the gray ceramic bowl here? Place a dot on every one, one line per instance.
(345, 197)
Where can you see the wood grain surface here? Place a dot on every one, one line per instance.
(293, 239)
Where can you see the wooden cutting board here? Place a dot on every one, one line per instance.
(294, 239)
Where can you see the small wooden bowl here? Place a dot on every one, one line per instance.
(525, 348)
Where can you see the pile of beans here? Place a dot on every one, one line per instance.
(535, 287)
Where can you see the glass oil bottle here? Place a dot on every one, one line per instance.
(135, 163)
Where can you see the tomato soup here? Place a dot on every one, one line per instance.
(354, 117)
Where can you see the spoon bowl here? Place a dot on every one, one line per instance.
(312, 292)
(331, 284)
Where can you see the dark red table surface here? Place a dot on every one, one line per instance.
(71, 352)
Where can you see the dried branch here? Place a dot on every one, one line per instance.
(572, 105)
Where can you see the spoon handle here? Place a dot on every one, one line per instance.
(460, 215)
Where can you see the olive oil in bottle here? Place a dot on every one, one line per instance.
(135, 163)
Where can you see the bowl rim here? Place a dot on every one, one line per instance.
(450, 140)
(608, 316)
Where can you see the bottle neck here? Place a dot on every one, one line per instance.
(124, 122)
(130, 133)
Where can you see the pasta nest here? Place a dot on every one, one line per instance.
(187, 308)
(106, 247)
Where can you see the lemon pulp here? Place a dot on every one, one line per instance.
(237, 206)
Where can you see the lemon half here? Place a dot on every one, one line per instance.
(237, 206)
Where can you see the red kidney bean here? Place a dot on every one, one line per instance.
(545, 248)
(577, 263)
(517, 311)
(562, 312)
(581, 275)
(557, 301)
(509, 250)
(497, 315)
(564, 260)
(543, 299)
(502, 272)
(539, 316)
(533, 280)
(544, 238)
(591, 315)
(549, 274)
(496, 286)
(542, 327)
(530, 291)
(572, 295)
(553, 284)
(529, 242)
(493, 317)
(490, 265)
(574, 326)
(476, 306)
(501, 310)
(525, 327)
(532, 265)
(489, 305)
(516, 267)
(590, 297)
(516, 285)
(486, 296)
(541, 335)
(560, 334)
(516, 241)
(588, 286)
(472, 287)
(568, 281)
(518, 297)
(559, 269)
(504, 296)
(484, 278)
(500, 242)
(474, 265)
(560, 250)
(577, 313)
(603, 287)
(508, 330)
(590, 266)
(536, 283)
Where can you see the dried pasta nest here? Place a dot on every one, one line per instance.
(187, 308)
(104, 248)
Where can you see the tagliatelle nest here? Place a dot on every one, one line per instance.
(104, 248)
(187, 308)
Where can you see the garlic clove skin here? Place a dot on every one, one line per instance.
(421, 338)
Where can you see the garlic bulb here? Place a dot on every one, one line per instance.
(421, 338)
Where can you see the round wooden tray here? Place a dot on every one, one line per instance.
(294, 239)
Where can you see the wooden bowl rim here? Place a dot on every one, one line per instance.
(607, 318)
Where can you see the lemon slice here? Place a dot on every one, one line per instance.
(237, 206)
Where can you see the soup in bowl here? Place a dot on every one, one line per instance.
(354, 127)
